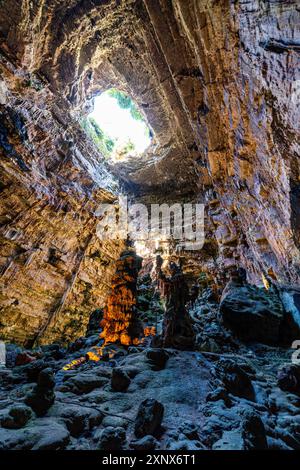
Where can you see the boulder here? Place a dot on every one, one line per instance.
(146, 443)
(115, 422)
(54, 351)
(253, 431)
(235, 379)
(158, 357)
(16, 439)
(42, 396)
(33, 369)
(77, 419)
(149, 418)
(253, 314)
(112, 439)
(52, 436)
(6, 377)
(288, 378)
(250, 435)
(46, 379)
(85, 382)
(16, 417)
(119, 380)
(44, 434)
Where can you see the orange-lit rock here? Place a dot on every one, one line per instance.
(149, 331)
(120, 323)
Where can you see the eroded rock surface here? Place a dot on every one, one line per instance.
(218, 84)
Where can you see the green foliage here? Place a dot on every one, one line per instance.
(129, 147)
(102, 141)
(105, 143)
(99, 133)
(125, 102)
(136, 114)
(109, 143)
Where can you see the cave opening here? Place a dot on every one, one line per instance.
(117, 126)
(149, 228)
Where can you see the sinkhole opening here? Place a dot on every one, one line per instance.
(117, 126)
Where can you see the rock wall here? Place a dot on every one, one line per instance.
(246, 54)
(218, 83)
(54, 269)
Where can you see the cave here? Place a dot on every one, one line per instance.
(117, 126)
(149, 258)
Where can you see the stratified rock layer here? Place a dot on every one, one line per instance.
(218, 84)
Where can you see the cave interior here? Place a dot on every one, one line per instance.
(136, 342)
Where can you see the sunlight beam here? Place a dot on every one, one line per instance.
(119, 125)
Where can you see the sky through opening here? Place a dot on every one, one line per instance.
(118, 125)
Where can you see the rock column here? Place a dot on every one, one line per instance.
(120, 323)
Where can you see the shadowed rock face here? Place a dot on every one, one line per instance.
(217, 83)
(253, 314)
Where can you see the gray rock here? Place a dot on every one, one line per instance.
(16, 417)
(33, 369)
(253, 431)
(120, 381)
(43, 434)
(115, 422)
(146, 443)
(235, 379)
(42, 397)
(149, 417)
(112, 439)
(6, 376)
(230, 440)
(20, 439)
(158, 357)
(289, 378)
(78, 419)
(248, 435)
(46, 379)
(252, 314)
(52, 436)
(85, 382)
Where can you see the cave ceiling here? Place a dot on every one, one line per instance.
(217, 83)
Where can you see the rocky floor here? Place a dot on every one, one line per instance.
(146, 398)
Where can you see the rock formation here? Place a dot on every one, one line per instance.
(120, 322)
(177, 327)
(217, 83)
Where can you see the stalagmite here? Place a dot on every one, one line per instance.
(120, 322)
